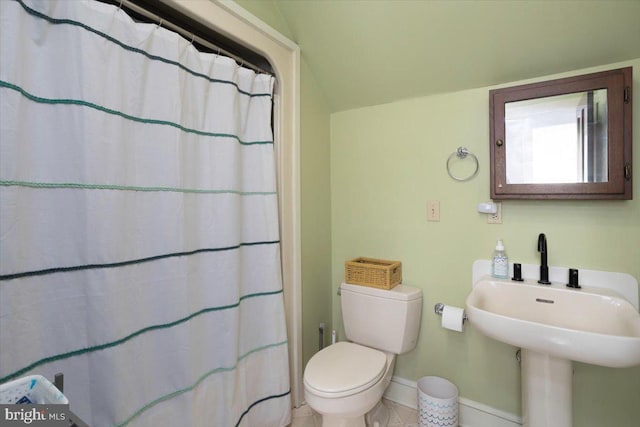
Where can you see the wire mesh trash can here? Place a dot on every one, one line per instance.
(437, 402)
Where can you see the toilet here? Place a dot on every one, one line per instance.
(346, 380)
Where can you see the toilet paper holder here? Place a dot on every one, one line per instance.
(437, 309)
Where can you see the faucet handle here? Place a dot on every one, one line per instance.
(517, 272)
(573, 279)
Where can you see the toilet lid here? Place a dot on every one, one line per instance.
(344, 368)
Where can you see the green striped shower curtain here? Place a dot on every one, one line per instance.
(139, 238)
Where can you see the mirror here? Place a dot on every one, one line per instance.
(563, 139)
(558, 139)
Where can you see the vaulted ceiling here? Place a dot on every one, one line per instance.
(369, 52)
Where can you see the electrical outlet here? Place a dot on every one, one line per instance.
(433, 210)
(496, 218)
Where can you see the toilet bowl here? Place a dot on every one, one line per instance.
(345, 381)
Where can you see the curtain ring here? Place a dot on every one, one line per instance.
(193, 37)
(120, 5)
(462, 153)
(160, 23)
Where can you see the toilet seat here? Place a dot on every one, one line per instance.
(343, 369)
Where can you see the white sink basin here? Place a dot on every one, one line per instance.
(589, 325)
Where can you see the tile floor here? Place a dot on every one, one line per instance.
(399, 416)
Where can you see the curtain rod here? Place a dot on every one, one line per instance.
(189, 35)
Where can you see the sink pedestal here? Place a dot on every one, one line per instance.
(546, 390)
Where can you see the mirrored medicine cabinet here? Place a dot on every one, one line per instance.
(562, 139)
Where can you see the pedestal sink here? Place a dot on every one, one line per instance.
(555, 325)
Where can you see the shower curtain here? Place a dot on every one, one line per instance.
(139, 237)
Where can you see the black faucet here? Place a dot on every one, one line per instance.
(544, 268)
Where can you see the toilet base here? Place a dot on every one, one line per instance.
(336, 421)
(378, 416)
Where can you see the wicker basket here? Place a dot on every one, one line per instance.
(377, 273)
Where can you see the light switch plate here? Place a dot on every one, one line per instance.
(433, 210)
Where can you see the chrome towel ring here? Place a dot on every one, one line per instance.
(462, 153)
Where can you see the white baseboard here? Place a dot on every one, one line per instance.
(471, 413)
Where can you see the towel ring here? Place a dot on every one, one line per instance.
(462, 153)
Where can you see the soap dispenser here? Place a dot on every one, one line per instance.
(500, 263)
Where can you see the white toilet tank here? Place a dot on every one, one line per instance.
(387, 320)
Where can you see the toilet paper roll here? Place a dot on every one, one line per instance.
(452, 318)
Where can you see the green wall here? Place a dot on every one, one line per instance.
(388, 160)
(315, 213)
